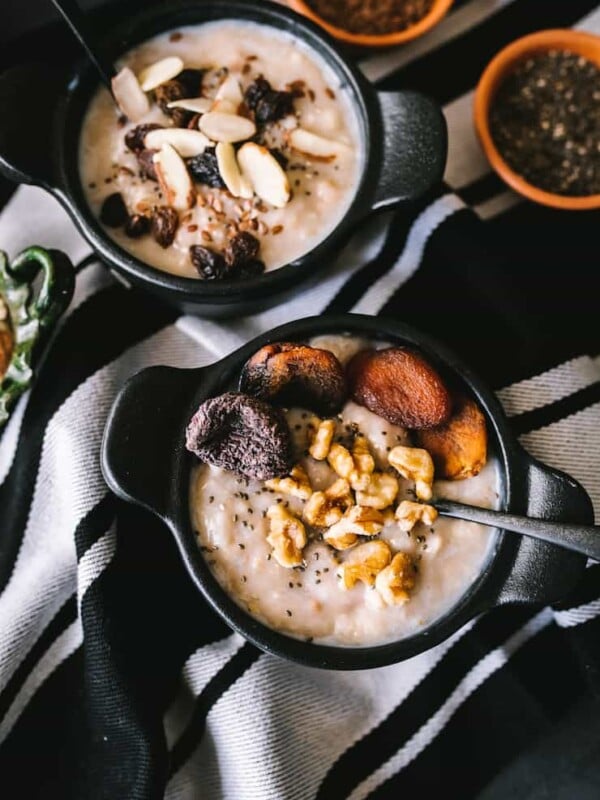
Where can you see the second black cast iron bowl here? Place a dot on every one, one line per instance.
(403, 137)
(144, 461)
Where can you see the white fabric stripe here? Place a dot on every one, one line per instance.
(94, 561)
(572, 444)
(63, 646)
(10, 438)
(330, 710)
(68, 485)
(590, 23)
(550, 386)
(488, 665)
(410, 260)
(197, 672)
(577, 616)
(497, 205)
(378, 67)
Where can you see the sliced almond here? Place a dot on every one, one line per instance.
(129, 95)
(233, 179)
(186, 141)
(221, 127)
(160, 72)
(229, 96)
(264, 173)
(310, 144)
(174, 178)
(199, 105)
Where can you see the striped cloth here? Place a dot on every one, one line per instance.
(118, 682)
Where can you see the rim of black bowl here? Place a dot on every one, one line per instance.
(479, 594)
(148, 23)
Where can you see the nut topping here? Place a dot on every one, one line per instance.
(264, 173)
(174, 178)
(395, 581)
(230, 171)
(364, 563)
(324, 509)
(287, 536)
(408, 514)
(296, 484)
(380, 492)
(198, 105)
(221, 127)
(129, 95)
(416, 465)
(162, 71)
(356, 522)
(314, 146)
(188, 143)
(322, 438)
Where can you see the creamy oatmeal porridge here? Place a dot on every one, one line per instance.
(344, 548)
(246, 133)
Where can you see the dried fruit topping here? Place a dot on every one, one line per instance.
(251, 269)
(400, 386)
(395, 581)
(268, 104)
(134, 138)
(129, 95)
(188, 143)
(164, 70)
(226, 127)
(229, 169)
(296, 375)
(242, 434)
(145, 160)
(364, 563)
(114, 212)
(137, 225)
(209, 264)
(190, 81)
(459, 447)
(168, 93)
(205, 169)
(242, 249)
(266, 177)
(256, 91)
(174, 179)
(165, 221)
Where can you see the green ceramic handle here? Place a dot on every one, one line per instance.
(31, 314)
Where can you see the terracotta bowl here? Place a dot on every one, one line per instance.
(585, 44)
(438, 10)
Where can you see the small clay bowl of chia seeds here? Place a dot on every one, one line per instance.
(373, 23)
(537, 115)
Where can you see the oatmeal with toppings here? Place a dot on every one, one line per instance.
(315, 513)
(234, 150)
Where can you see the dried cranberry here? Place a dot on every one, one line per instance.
(241, 249)
(134, 139)
(137, 225)
(146, 161)
(114, 213)
(241, 434)
(165, 221)
(204, 168)
(209, 264)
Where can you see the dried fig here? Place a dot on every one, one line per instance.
(399, 385)
(459, 447)
(296, 375)
(241, 434)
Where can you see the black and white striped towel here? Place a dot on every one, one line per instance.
(117, 681)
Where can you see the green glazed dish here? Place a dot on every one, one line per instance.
(28, 315)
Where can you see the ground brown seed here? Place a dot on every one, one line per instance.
(372, 17)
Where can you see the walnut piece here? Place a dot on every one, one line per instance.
(395, 581)
(409, 513)
(324, 509)
(364, 563)
(357, 521)
(287, 536)
(416, 465)
(296, 484)
(341, 461)
(321, 439)
(380, 492)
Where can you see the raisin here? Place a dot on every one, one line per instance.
(187, 84)
(167, 93)
(209, 264)
(256, 91)
(191, 81)
(134, 139)
(146, 162)
(165, 221)
(114, 213)
(241, 434)
(251, 269)
(204, 168)
(181, 117)
(241, 249)
(137, 225)
(273, 106)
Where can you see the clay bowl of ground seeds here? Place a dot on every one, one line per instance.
(537, 114)
(374, 23)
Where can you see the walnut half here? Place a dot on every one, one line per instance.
(409, 513)
(395, 581)
(365, 563)
(287, 536)
(357, 521)
(296, 484)
(416, 465)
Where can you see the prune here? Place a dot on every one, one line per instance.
(204, 169)
(134, 139)
(268, 104)
(165, 221)
(251, 269)
(296, 375)
(241, 434)
(209, 264)
(399, 385)
(146, 163)
(241, 249)
(114, 212)
(137, 225)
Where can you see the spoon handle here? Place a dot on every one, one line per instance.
(583, 539)
(78, 22)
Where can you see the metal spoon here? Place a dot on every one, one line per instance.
(583, 539)
(78, 22)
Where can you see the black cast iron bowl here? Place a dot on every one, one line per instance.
(144, 461)
(403, 135)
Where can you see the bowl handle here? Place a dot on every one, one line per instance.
(543, 572)
(143, 446)
(28, 97)
(415, 148)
